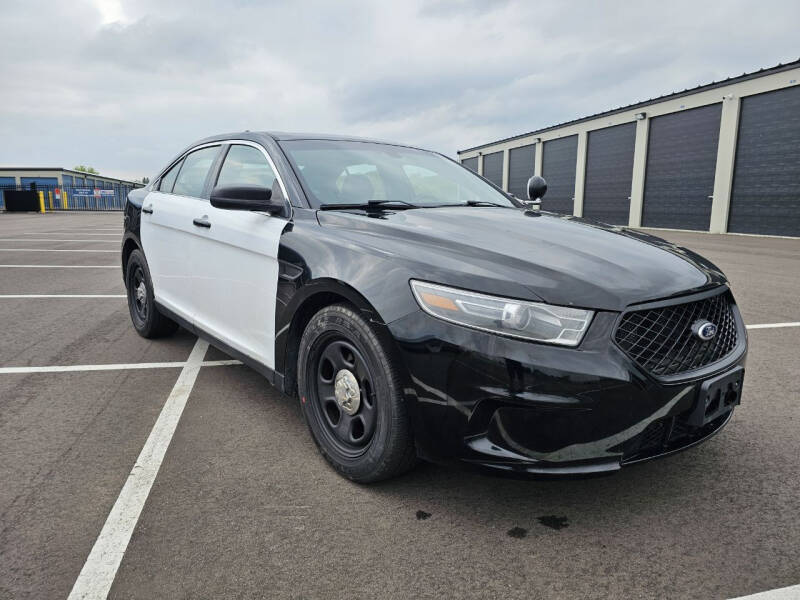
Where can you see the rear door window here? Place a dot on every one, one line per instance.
(192, 176)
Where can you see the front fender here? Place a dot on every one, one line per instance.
(131, 239)
(313, 262)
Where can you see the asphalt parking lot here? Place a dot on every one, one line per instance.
(243, 506)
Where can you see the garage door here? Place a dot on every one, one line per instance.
(609, 172)
(766, 177)
(521, 165)
(681, 160)
(471, 163)
(493, 168)
(558, 169)
(42, 183)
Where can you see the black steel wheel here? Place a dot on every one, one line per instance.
(145, 316)
(139, 293)
(350, 394)
(345, 395)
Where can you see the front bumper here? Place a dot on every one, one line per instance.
(513, 406)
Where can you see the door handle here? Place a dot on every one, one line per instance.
(202, 222)
(148, 210)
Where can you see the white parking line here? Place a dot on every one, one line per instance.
(111, 367)
(73, 231)
(18, 296)
(69, 233)
(52, 250)
(774, 325)
(101, 566)
(60, 267)
(788, 593)
(114, 241)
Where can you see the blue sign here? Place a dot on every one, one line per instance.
(84, 191)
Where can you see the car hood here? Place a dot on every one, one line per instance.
(526, 254)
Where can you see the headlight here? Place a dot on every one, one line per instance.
(516, 318)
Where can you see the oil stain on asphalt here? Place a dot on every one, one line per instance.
(553, 522)
(422, 515)
(517, 532)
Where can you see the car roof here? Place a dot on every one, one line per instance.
(286, 136)
(277, 136)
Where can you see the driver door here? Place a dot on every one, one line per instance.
(236, 261)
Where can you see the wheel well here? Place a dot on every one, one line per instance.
(127, 248)
(311, 306)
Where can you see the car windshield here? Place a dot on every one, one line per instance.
(335, 172)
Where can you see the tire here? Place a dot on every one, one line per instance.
(147, 320)
(365, 432)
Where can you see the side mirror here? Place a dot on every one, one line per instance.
(248, 197)
(537, 187)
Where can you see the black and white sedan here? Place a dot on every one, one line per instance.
(414, 309)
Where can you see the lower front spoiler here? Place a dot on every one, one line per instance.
(660, 439)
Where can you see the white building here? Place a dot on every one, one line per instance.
(722, 157)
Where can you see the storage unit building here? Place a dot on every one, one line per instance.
(722, 157)
(67, 189)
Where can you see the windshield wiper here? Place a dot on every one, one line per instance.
(472, 203)
(483, 203)
(398, 204)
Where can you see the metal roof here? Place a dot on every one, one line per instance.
(700, 88)
(62, 169)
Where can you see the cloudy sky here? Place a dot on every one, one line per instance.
(122, 86)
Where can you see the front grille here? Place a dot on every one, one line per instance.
(660, 340)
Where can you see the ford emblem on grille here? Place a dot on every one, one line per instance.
(703, 329)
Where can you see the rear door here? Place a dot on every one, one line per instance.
(168, 233)
(236, 260)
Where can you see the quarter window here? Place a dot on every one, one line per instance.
(192, 176)
(168, 180)
(245, 165)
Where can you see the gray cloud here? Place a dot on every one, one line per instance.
(124, 86)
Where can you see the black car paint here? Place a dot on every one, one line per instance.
(476, 397)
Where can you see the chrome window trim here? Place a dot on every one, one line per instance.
(221, 143)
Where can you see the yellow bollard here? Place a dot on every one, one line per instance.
(50, 196)
(41, 201)
(64, 205)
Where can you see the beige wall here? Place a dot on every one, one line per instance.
(18, 174)
(729, 95)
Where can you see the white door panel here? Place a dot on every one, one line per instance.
(168, 240)
(236, 279)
